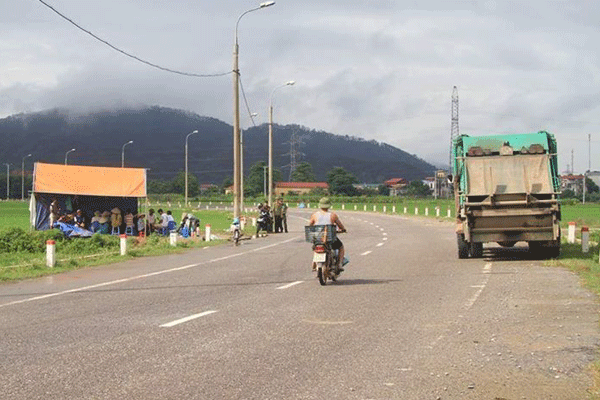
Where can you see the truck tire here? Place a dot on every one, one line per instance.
(476, 250)
(463, 246)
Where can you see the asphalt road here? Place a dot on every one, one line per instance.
(407, 320)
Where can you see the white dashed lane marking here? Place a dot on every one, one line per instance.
(366, 252)
(186, 319)
(289, 285)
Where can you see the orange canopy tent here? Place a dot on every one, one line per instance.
(90, 188)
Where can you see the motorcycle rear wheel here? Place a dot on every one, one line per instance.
(322, 274)
(236, 237)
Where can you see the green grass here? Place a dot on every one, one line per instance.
(100, 249)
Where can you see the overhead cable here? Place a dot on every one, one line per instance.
(128, 54)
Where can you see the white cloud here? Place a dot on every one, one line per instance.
(380, 70)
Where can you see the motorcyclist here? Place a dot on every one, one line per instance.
(325, 217)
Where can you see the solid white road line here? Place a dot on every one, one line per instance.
(186, 319)
(366, 252)
(289, 285)
(133, 278)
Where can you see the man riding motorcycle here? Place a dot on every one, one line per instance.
(325, 217)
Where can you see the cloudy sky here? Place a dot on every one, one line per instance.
(380, 70)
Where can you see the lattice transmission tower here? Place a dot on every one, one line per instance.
(454, 122)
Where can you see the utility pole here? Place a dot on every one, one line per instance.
(454, 131)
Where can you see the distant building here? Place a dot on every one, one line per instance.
(396, 185)
(283, 188)
(572, 182)
(595, 177)
(205, 187)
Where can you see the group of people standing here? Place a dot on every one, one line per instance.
(278, 214)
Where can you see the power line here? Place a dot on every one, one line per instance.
(246, 101)
(131, 55)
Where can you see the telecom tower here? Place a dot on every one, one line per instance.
(454, 127)
(295, 143)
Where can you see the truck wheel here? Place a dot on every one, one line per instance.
(463, 246)
(554, 249)
(476, 250)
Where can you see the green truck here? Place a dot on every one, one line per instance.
(506, 190)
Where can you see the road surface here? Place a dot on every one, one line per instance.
(407, 320)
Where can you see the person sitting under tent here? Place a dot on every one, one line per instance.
(116, 220)
(95, 222)
(104, 222)
(79, 219)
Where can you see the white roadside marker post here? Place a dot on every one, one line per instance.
(585, 239)
(207, 232)
(571, 235)
(50, 253)
(173, 238)
(123, 244)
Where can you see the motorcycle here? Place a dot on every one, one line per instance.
(263, 223)
(236, 231)
(325, 259)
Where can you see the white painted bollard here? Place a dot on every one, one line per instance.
(50, 253)
(169, 204)
(394, 209)
(207, 207)
(449, 213)
(426, 211)
(405, 210)
(242, 223)
(173, 238)
(343, 206)
(207, 232)
(198, 231)
(179, 205)
(355, 207)
(365, 207)
(199, 204)
(308, 205)
(374, 208)
(571, 235)
(123, 244)
(253, 221)
(416, 211)
(437, 211)
(384, 209)
(585, 239)
(210, 203)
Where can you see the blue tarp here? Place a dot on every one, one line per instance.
(72, 230)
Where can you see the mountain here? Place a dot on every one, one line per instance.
(159, 133)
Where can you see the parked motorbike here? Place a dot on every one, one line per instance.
(236, 231)
(264, 222)
(325, 259)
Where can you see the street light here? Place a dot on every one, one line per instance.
(252, 115)
(289, 83)
(236, 115)
(123, 154)
(66, 154)
(186, 166)
(23, 177)
(7, 179)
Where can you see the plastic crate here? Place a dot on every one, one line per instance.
(320, 233)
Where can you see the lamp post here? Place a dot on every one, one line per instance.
(67, 153)
(7, 180)
(236, 115)
(123, 153)
(289, 83)
(186, 166)
(252, 115)
(23, 177)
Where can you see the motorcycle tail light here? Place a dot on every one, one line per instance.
(319, 248)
